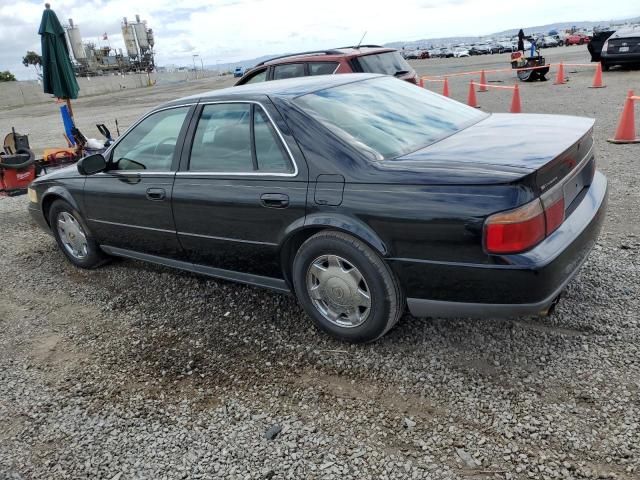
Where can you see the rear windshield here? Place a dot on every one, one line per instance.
(388, 63)
(386, 117)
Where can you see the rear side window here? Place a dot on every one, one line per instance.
(236, 138)
(289, 70)
(270, 154)
(322, 68)
(388, 63)
(222, 142)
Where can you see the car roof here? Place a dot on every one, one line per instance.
(627, 32)
(290, 87)
(326, 55)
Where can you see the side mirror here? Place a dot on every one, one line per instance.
(92, 164)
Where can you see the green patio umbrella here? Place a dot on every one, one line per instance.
(57, 72)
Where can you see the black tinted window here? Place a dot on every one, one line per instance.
(269, 151)
(388, 63)
(290, 70)
(150, 144)
(322, 68)
(222, 142)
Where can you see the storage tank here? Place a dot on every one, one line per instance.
(75, 40)
(141, 34)
(129, 39)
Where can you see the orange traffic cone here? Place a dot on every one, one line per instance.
(471, 99)
(516, 107)
(445, 87)
(483, 82)
(421, 82)
(560, 76)
(626, 132)
(597, 77)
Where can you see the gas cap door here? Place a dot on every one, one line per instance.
(329, 190)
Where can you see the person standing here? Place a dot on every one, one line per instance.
(521, 41)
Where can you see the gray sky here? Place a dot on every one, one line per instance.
(233, 30)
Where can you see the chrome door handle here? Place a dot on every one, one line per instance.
(156, 194)
(274, 200)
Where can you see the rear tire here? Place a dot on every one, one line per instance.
(73, 236)
(346, 288)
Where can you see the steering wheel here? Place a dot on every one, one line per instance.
(164, 141)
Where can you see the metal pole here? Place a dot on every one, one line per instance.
(195, 71)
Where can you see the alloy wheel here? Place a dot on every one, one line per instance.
(72, 236)
(338, 291)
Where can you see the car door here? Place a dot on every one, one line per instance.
(238, 189)
(128, 206)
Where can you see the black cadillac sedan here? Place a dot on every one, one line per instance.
(361, 194)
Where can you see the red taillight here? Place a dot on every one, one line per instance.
(515, 230)
(523, 228)
(553, 204)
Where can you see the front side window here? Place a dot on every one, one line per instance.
(289, 70)
(151, 144)
(386, 117)
(258, 77)
(237, 138)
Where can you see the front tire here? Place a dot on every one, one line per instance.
(73, 236)
(346, 288)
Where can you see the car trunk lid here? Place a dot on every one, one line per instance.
(624, 45)
(543, 149)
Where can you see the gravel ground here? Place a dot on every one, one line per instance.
(136, 371)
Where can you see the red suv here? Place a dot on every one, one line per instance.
(577, 39)
(363, 58)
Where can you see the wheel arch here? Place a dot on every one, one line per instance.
(301, 231)
(51, 195)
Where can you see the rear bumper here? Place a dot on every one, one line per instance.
(619, 58)
(523, 284)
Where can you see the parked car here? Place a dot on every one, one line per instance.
(559, 38)
(424, 54)
(507, 46)
(238, 72)
(412, 54)
(460, 52)
(547, 42)
(360, 194)
(445, 52)
(577, 39)
(597, 42)
(495, 47)
(480, 49)
(621, 48)
(364, 58)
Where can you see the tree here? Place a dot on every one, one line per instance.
(32, 58)
(7, 76)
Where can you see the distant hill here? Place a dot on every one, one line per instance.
(559, 26)
(428, 42)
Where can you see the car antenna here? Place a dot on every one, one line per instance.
(360, 42)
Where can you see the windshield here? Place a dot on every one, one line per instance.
(385, 117)
(388, 63)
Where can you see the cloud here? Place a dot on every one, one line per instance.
(232, 30)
